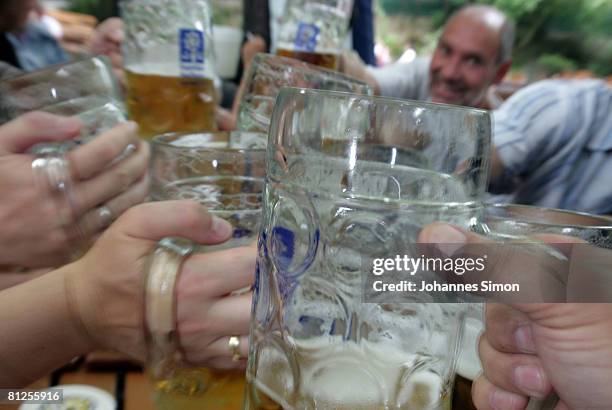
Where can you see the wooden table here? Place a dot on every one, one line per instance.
(130, 386)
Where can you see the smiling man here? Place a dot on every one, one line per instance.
(473, 53)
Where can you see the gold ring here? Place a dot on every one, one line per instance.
(234, 347)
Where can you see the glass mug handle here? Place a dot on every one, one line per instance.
(163, 351)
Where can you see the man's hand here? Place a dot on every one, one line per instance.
(107, 40)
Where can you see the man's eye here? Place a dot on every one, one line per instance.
(474, 61)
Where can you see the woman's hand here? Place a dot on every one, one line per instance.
(106, 285)
(36, 220)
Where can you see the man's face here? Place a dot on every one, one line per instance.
(465, 63)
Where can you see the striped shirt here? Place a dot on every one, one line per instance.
(555, 141)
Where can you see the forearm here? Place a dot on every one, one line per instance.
(12, 277)
(352, 66)
(39, 332)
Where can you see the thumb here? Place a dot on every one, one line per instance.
(186, 219)
(29, 129)
(226, 121)
(448, 239)
(113, 30)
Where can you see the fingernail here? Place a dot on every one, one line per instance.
(220, 227)
(132, 126)
(70, 124)
(502, 400)
(524, 339)
(447, 239)
(529, 378)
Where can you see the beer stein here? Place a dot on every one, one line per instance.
(169, 64)
(314, 31)
(268, 74)
(218, 171)
(341, 190)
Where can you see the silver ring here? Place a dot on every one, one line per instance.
(129, 149)
(106, 215)
(234, 347)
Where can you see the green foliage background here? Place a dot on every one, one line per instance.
(101, 9)
(555, 34)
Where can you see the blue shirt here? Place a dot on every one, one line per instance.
(35, 48)
(555, 141)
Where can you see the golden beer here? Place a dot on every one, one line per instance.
(326, 60)
(161, 103)
(201, 388)
(345, 375)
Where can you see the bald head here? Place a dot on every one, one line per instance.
(473, 53)
(497, 23)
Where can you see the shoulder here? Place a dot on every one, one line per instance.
(559, 89)
(541, 108)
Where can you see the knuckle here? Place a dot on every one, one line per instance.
(133, 215)
(58, 240)
(191, 214)
(123, 179)
(108, 151)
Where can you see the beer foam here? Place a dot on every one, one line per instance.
(319, 50)
(166, 69)
(338, 374)
(198, 141)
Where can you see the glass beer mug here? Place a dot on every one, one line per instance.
(314, 31)
(351, 178)
(169, 65)
(224, 172)
(269, 73)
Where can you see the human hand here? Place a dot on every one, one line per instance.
(35, 220)
(226, 120)
(107, 40)
(106, 285)
(254, 44)
(212, 305)
(529, 350)
(353, 66)
(12, 277)
(76, 37)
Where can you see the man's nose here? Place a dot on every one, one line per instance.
(451, 69)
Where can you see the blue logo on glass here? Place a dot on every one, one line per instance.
(192, 46)
(306, 38)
